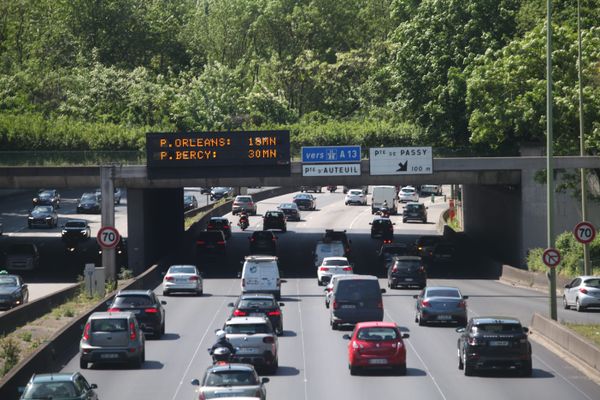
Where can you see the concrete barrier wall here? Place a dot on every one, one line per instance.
(51, 356)
(533, 279)
(34, 309)
(573, 343)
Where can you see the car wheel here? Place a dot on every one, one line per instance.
(346, 203)
(469, 369)
(461, 365)
(401, 369)
(83, 364)
(421, 321)
(353, 370)
(162, 329)
(326, 304)
(334, 325)
(527, 369)
(319, 283)
(565, 304)
(578, 306)
(200, 292)
(404, 220)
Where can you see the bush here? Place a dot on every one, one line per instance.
(9, 352)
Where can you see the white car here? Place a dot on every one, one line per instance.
(329, 288)
(356, 196)
(183, 278)
(408, 193)
(332, 266)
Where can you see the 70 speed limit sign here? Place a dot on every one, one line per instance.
(584, 232)
(108, 237)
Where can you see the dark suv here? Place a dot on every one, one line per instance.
(274, 220)
(147, 308)
(210, 242)
(494, 343)
(47, 197)
(407, 271)
(415, 211)
(219, 224)
(382, 228)
(263, 242)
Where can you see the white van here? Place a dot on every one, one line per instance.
(260, 274)
(381, 194)
(328, 248)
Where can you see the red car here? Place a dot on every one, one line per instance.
(376, 345)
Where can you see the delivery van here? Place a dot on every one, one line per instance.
(383, 194)
(260, 274)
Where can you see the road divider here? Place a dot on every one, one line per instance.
(536, 280)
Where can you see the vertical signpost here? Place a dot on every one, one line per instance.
(108, 221)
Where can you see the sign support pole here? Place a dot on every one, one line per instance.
(108, 219)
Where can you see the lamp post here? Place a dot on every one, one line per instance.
(549, 151)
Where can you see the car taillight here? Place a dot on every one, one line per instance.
(226, 227)
(169, 278)
(421, 269)
(347, 269)
(268, 339)
(275, 313)
(328, 289)
(221, 242)
(250, 204)
(132, 334)
(114, 309)
(425, 303)
(243, 282)
(583, 290)
(210, 226)
(193, 278)
(395, 268)
(151, 310)
(462, 304)
(323, 269)
(475, 342)
(201, 396)
(236, 204)
(239, 313)
(356, 345)
(200, 242)
(86, 331)
(335, 305)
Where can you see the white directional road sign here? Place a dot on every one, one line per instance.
(584, 232)
(551, 257)
(330, 169)
(108, 237)
(401, 160)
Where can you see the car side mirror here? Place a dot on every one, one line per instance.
(283, 281)
(383, 290)
(163, 302)
(393, 223)
(415, 296)
(24, 286)
(461, 330)
(465, 297)
(281, 304)
(370, 223)
(265, 380)
(230, 305)
(567, 286)
(525, 329)
(93, 386)
(405, 336)
(346, 336)
(195, 382)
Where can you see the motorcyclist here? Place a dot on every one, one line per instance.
(384, 211)
(243, 219)
(222, 341)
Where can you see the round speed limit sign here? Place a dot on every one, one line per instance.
(108, 237)
(584, 232)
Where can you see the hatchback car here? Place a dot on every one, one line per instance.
(332, 266)
(59, 386)
(274, 220)
(75, 230)
(211, 243)
(407, 194)
(146, 307)
(49, 197)
(414, 212)
(407, 271)
(89, 203)
(231, 380)
(425, 245)
(220, 192)
(13, 291)
(263, 242)
(305, 201)
(291, 211)
(441, 304)
(244, 203)
(388, 251)
(355, 196)
(42, 216)
(493, 343)
(255, 340)
(382, 228)
(219, 224)
(189, 202)
(182, 278)
(582, 292)
(22, 257)
(376, 345)
(112, 337)
(255, 304)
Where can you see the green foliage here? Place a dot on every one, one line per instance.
(26, 336)
(9, 353)
(125, 273)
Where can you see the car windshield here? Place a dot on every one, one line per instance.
(109, 325)
(46, 193)
(182, 270)
(408, 264)
(256, 303)
(443, 293)
(8, 281)
(42, 210)
(274, 215)
(497, 328)
(21, 249)
(247, 329)
(244, 200)
(377, 334)
(355, 192)
(262, 235)
(303, 197)
(89, 197)
(595, 283)
(132, 301)
(335, 262)
(355, 290)
(407, 191)
(287, 205)
(188, 199)
(382, 221)
(230, 378)
(50, 390)
(413, 207)
(75, 224)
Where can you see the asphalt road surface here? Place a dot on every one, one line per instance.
(313, 358)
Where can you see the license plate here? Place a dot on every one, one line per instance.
(498, 343)
(408, 279)
(348, 306)
(378, 361)
(257, 314)
(109, 355)
(249, 350)
(444, 317)
(182, 280)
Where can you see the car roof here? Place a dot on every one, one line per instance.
(414, 203)
(376, 324)
(183, 265)
(495, 320)
(218, 219)
(134, 292)
(288, 205)
(408, 258)
(356, 277)
(75, 220)
(61, 377)
(441, 287)
(335, 258)
(246, 320)
(110, 315)
(583, 277)
(231, 366)
(256, 296)
(260, 258)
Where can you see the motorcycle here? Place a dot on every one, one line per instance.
(221, 355)
(243, 223)
(331, 188)
(384, 212)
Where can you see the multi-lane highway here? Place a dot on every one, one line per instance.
(313, 358)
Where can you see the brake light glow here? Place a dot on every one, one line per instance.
(151, 310)
(323, 269)
(268, 339)
(347, 269)
(335, 305)
(86, 331)
(462, 304)
(200, 242)
(210, 226)
(583, 290)
(193, 278)
(275, 313)
(132, 334)
(475, 342)
(114, 309)
(221, 242)
(239, 313)
(395, 268)
(169, 278)
(425, 303)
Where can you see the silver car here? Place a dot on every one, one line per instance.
(441, 304)
(231, 381)
(112, 337)
(255, 340)
(582, 292)
(408, 193)
(182, 278)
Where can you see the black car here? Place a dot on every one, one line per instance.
(189, 202)
(76, 230)
(382, 228)
(425, 245)
(291, 211)
(407, 271)
(221, 192)
(42, 216)
(116, 195)
(49, 197)
(274, 220)
(219, 224)
(259, 304)
(414, 211)
(492, 343)
(13, 291)
(333, 235)
(443, 253)
(263, 242)
(211, 242)
(305, 201)
(388, 251)
(148, 310)
(315, 189)
(89, 203)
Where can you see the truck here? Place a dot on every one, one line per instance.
(383, 194)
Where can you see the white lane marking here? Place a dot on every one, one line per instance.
(302, 341)
(358, 216)
(422, 361)
(564, 378)
(218, 312)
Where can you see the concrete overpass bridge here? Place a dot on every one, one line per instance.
(504, 207)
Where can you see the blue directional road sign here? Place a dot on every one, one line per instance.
(330, 154)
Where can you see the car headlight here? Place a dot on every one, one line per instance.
(84, 231)
(35, 200)
(29, 217)
(63, 232)
(48, 217)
